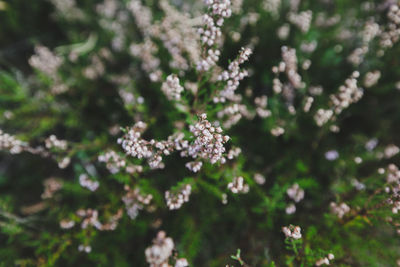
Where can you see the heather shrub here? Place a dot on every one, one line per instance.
(199, 133)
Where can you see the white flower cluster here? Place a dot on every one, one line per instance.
(233, 114)
(234, 152)
(95, 69)
(393, 174)
(295, 192)
(238, 186)
(325, 261)
(158, 254)
(261, 103)
(150, 63)
(233, 76)
(308, 47)
(151, 150)
(292, 231)
(142, 15)
(371, 30)
(272, 6)
(322, 116)
(171, 88)
(67, 224)
(178, 36)
(259, 178)
(348, 93)
(51, 186)
(277, 131)
(45, 61)
(290, 60)
(194, 166)
(392, 34)
(11, 143)
(371, 78)
(307, 104)
(209, 142)
(283, 31)
(211, 31)
(64, 162)
(391, 151)
(290, 209)
(135, 201)
(339, 210)
(113, 161)
(288, 65)
(53, 142)
(67, 9)
(182, 262)
(301, 20)
(90, 184)
(322, 20)
(90, 217)
(133, 144)
(176, 200)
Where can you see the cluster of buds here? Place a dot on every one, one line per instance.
(90, 217)
(51, 186)
(261, 103)
(290, 62)
(371, 78)
(194, 166)
(171, 88)
(211, 31)
(135, 201)
(151, 150)
(301, 20)
(292, 231)
(295, 192)
(339, 210)
(391, 151)
(307, 104)
(67, 224)
(392, 34)
(272, 6)
(115, 163)
(150, 63)
(45, 61)
(348, 93)
(290, 209)
(234, 152)
(277, 131)
(233, 114)
(238, 186)
(288, 65)
(53, 142)
(322, 116)
(393, 174)
(209, 142)
(176, 200)
(158, 254)
(85, 182)
(233, 76)
(325, 261)
(11, 143)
